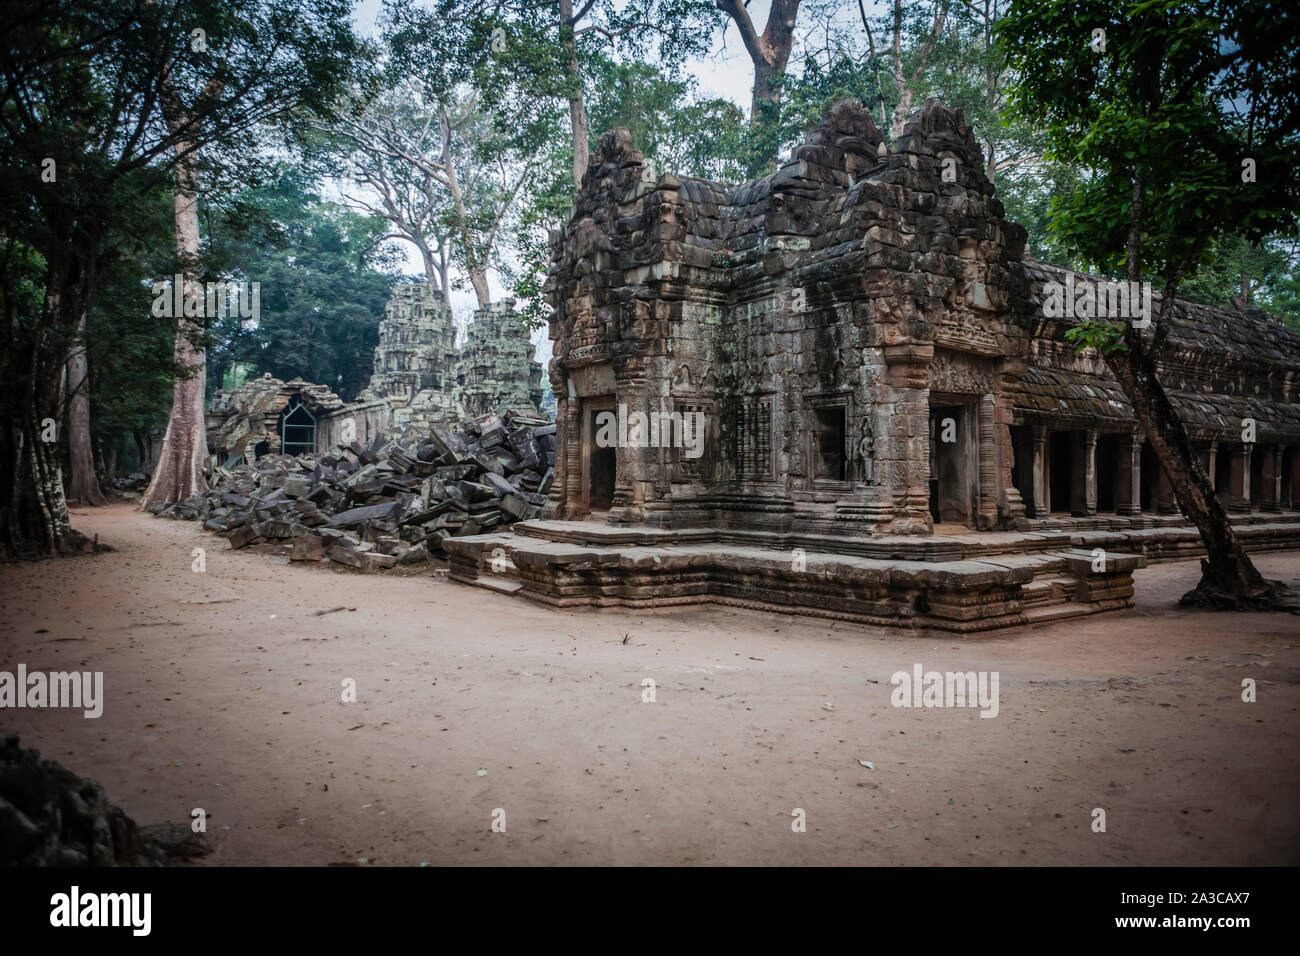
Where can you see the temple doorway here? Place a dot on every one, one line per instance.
(953, 450)
(599, 462)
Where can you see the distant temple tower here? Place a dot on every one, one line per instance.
(496, 370)
(416, 355)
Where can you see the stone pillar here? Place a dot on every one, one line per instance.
(906, 444)
(1039, 505)
(1290, 463)
(1078, 474)
(1212, 464)
(632, 475)
(1128, 496)
(1090, 473)
(987, 516)
(1238, 496)
(1270, 496)
(568, 483)
(1011, 507)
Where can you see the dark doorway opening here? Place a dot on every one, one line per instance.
(602, 478)
(1061, 456)
(599, 453)
(828, 446)
(950, 479)
(1150, 478)
(1289, 461)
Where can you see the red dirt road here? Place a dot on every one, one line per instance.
(223, 691)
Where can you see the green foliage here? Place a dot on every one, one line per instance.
(325, 277)
(676, 127)
(1270, 266)
(1183, 94)
(1091, 334)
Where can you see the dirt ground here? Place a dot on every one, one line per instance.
(223, 691)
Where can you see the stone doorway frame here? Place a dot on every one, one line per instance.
(969, 447)
(588, 408)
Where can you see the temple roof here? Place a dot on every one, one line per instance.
(1245, 362)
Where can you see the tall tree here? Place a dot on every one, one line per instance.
(507, 49)
(178, 473)
(441, 167)
(769, 51)
(384, 142)
(1185, 113)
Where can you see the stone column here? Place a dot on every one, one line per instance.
(1238, 496)
(1039, 440)
(906, 444)
(1090, 472)
(568, 479)
(1128, 496)
(633, 464)
(987, 517)
(1212, 464)
(1011, 507)
(1291, 461)
(1270, 496)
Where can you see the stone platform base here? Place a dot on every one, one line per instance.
(1170, 537)
(962, 583)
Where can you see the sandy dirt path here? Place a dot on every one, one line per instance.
(223, 691)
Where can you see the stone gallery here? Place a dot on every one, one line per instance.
(898, 430)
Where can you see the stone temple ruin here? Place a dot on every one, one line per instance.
(420, 379)
(496, 346)
(894, 431)
(416, 354)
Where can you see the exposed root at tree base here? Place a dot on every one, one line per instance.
(1267, 596)
(74, 544)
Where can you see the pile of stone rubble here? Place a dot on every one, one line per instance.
(49, 816)
(393, 502)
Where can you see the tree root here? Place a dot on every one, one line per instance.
(1265, 596)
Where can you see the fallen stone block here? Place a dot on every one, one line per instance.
(307, 547)
(296, 487)
(356, 516)
(241, 537)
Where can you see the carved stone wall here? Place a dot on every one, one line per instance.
(799, 311)
(416, 355)
(495, 370)
(823, 316)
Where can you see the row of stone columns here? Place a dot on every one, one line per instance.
(1275, 495)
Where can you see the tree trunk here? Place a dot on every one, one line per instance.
(770, 52)
(478, 279)
(766, 91)
(577, 106)
(179, 472)
(34, 516)
(83, 483)
(477, 269)
(1229, 578)
(431, 273)
(142, 456)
